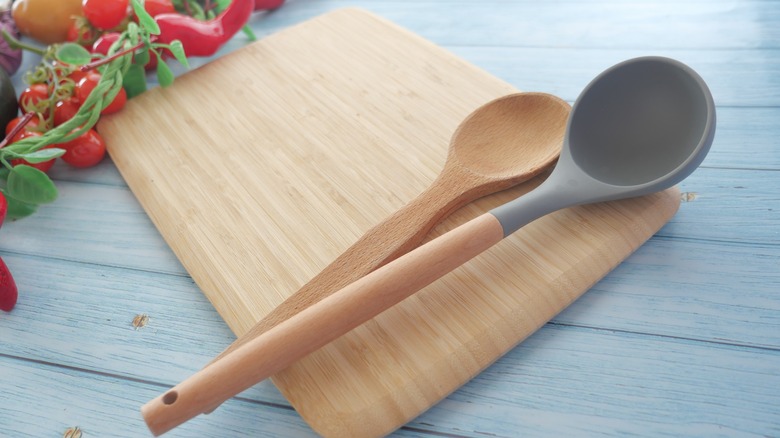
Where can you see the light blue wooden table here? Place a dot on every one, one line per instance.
(683, 339)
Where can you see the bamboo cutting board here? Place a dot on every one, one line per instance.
(261, 167)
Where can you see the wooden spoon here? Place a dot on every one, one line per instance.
(503, 143)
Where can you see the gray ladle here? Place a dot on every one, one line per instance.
(639, 127)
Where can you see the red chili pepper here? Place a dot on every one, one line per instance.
(204, 38)
(261, 5)
(8, 291)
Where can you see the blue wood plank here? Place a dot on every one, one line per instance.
(93, 223)
(561, 381)
(104, 173)
(602, 24)
(728, 206)
(702, 290)
(735, 77)
(572, 382)
(82, 315)
(746, 138)
(46, 400)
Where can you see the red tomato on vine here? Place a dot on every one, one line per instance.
(77, 33)
(86, 150)
(31, 124)
(44, 166)
(64, 110)
(76, 76)
(33, 95)
(105, 14)
(102, 44)
(89, 82)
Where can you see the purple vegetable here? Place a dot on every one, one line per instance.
(10, 59)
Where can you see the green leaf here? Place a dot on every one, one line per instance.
(177, 48)
(30, 185)
(144, 19)
(73, 54)
(4, 179)
(134, 81)
(164, 74)
(18, 209)
(132, 31)
(42, 155)
(141, 57)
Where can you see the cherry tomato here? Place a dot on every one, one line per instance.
(86, 150)
(157, 7)
(73, 73)
(33, 95)
(102, 44)
(74, 33)
(75, 76)
(31, 124)
(89, 82)
(43, 166)
(105, 14)
(64, 110)
(80, 33)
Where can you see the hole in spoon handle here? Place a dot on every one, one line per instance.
(170, 397)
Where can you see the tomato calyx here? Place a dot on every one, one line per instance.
(36, 99)
(82, 32)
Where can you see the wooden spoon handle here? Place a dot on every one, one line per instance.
(395, 236)
(320, 324)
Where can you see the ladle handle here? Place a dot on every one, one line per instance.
(321, 323)
(393, 237)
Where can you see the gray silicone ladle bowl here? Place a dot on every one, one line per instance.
(639, 127)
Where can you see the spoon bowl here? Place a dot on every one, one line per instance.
(648, 135)
(510, 138)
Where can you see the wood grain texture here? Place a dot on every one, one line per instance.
(679, 340)
(501, 144)
(298, 191)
